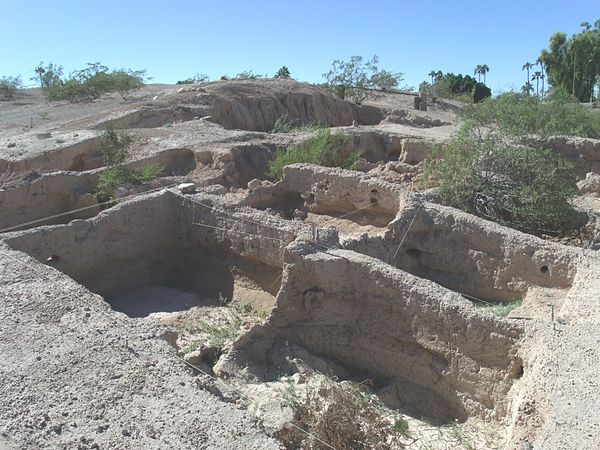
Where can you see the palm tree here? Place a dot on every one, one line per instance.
(541, 64)
(527, 66)
(536, 76)
(283, 72)
(432, 74)
(484, 70)
(477, 71)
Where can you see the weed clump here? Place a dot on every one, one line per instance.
(285, 125)
(502, 310)
(342, 415)
(115, 150)
(323, 149)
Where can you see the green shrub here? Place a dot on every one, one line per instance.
(521, 114)
(324, 149)
(115, 150)
(527, 188)
(8, 86)
(87, 84)
(114, 147)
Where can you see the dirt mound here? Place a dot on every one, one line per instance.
(253, 105)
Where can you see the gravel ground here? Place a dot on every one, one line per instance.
(77, 375)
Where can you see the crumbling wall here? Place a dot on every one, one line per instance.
(187, 242)
(49, 195)
(84, 155)
(455, 249)
(128, 245)
(426, 349)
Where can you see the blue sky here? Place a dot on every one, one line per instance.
(176, 39)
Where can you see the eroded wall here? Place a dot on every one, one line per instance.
(427, 349)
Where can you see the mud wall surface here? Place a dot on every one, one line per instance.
(125, 246)
(338, 191)
(46, 196)
(426, 348)
(475, 256)
(174, 161)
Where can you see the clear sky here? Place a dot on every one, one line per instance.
(175, 39)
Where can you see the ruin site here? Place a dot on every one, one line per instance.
(218, 306)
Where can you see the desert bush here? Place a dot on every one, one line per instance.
(87, 84)
(8, 86)
(527, 188)
(196, 79)
(341, 414)
(520, 114)
(115, 150)
(354, 79)
(324, 149)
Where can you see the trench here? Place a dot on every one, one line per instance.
(51, 196)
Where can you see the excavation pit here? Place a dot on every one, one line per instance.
(173, 265)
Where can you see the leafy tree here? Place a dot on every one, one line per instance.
(283, 72)
(354, 78)
(8, 86)
(527, 188)
(573, 64)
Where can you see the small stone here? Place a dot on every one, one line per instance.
(187, 188)
(300, 215)
(12, 144)
(181, 90)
